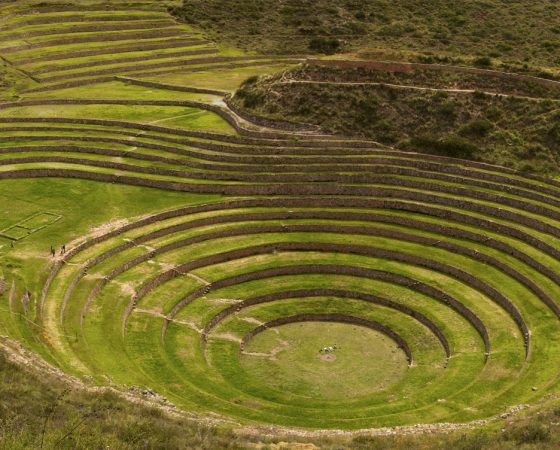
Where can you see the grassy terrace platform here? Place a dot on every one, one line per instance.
(61, 45)
(210, 258)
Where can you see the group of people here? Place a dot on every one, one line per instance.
(62, 250)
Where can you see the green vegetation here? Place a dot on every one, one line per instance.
(513, 123)
(46, 412)
(41, 411)
(174, 260)
(286, 358)
(10, 82)
(522, 32)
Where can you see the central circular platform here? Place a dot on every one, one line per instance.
(289, 358)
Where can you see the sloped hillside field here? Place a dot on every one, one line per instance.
(264, 273)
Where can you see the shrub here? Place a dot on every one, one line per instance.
(550, 45)
(454, 146)
(472, 442)
(494, 113)
(528, 434)
(328, 46)
(476, 128)
(446, 110)
(547, 75)
(251, 99)
(369, 443)
(251, 80)
(483, 61)
(478, 95)
(553, 135)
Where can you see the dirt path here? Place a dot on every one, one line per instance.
(282, 345)
(151, 312)
(160, 315)
(199, 279)
(414, 87)
(227, 336)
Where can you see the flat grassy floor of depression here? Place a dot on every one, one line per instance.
(287, 358)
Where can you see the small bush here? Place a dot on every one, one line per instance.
(328, 46)
(369, 442)
(250, 97)
(447, 110)
(546, 75)
(454, 146)
(251, 80)
(472, 442)
(553, 135)
(529, 434)
(478, 95)
(476, 128)
(550, 46)
(483, 61)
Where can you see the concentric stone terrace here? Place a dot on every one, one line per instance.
(436, 279)
(455, 266)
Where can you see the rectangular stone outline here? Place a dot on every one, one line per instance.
(21, 224)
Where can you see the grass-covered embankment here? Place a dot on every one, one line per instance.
(40, 410)
(47, 412)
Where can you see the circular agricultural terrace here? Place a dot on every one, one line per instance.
(436, 279)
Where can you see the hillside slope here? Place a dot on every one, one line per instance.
(523, 31)
(497, 120)
(50, 412)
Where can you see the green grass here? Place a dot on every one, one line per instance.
(226, 79)
(93, 337)
(169, 116)
(104, 317)
(73, 419)
(97, 61)
(120, 91)
(12, 81)
(365, 361)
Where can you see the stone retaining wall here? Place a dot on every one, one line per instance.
(175, 43)
(90, 39)
(360, 203)
(306, 293)
(151, 65)
(306, 189)
(153, 84)
(204, 51)
(333, 269)
(93, 28)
